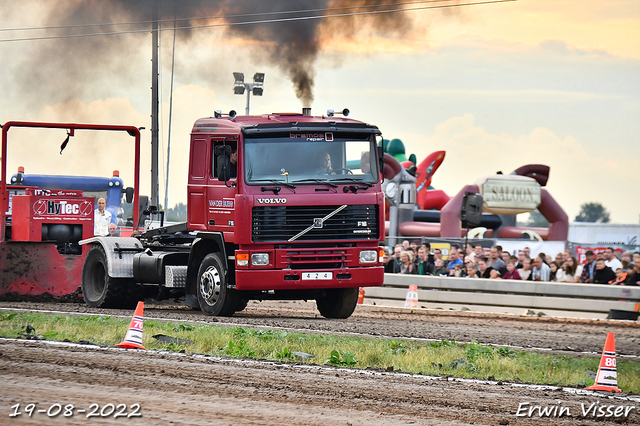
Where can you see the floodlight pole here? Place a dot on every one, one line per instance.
(248, 87)
(258, 82)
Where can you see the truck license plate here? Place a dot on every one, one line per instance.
(317, 275)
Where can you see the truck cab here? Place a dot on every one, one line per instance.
(297, 201)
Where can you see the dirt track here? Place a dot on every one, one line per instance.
(198, 390)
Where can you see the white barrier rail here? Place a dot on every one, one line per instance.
(511, 296)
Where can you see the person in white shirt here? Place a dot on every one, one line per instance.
(541, 270)
(611, 260)
(101, 219)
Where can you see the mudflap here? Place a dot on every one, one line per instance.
(37, 269)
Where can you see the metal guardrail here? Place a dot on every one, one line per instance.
(497, 295)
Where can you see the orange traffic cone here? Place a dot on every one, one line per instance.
(133, 338)
(412, 297)
(361, 296)
(607, 378)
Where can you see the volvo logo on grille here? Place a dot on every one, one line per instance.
(272, 200)
(317, 222)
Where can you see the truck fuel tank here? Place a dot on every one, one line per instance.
(160, 267)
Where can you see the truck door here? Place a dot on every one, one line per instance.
(221, 195)
(196, 187)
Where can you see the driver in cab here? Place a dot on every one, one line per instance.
(325, 164)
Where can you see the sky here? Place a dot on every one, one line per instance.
(496, 86)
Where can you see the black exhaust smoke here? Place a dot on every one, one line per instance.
(65, 69)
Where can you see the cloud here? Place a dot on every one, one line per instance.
(88, 153)
(588, 25)
(577, 175)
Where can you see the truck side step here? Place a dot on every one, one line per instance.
(175, 276)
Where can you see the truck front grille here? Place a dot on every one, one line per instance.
(310, 258)
(281, 223)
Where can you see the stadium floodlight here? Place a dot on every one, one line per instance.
(239, 77)
(239, 86)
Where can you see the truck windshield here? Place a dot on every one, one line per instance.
(310, 160)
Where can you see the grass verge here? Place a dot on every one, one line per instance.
(444, 358)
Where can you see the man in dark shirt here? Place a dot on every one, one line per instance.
(603, 274)
(425, 266)
(390, 263)
(589, 267)
(633, 275)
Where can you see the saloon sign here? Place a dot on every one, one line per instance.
(509, 194)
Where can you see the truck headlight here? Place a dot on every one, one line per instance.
(368, 256)
(259, 259)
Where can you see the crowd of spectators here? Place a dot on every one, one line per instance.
(483, 262)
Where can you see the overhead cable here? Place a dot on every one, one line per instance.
(255, 22)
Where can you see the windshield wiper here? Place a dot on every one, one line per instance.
(277, 182)
(323, 181)
(350, 179)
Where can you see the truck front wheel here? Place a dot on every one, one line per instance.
(214, 297)
(338, 302)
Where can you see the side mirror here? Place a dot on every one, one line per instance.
(223, 170)
(381, 158)
(129, 195)
(144, 205)
(223, 167)
(223, 150)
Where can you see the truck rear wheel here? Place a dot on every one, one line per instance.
(338, 302)
(99, 290)
(214, 296)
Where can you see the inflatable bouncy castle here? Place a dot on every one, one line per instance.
(416, 209)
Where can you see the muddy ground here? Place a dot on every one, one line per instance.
(181, 389)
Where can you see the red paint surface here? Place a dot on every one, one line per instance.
(435, 199)
(31, 268)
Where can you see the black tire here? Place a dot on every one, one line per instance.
(101, 291)
(242, 304)
(214, 296)
(338, 302)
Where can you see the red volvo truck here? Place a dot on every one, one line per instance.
(280, 206)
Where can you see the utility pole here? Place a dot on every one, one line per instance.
(155, 131)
